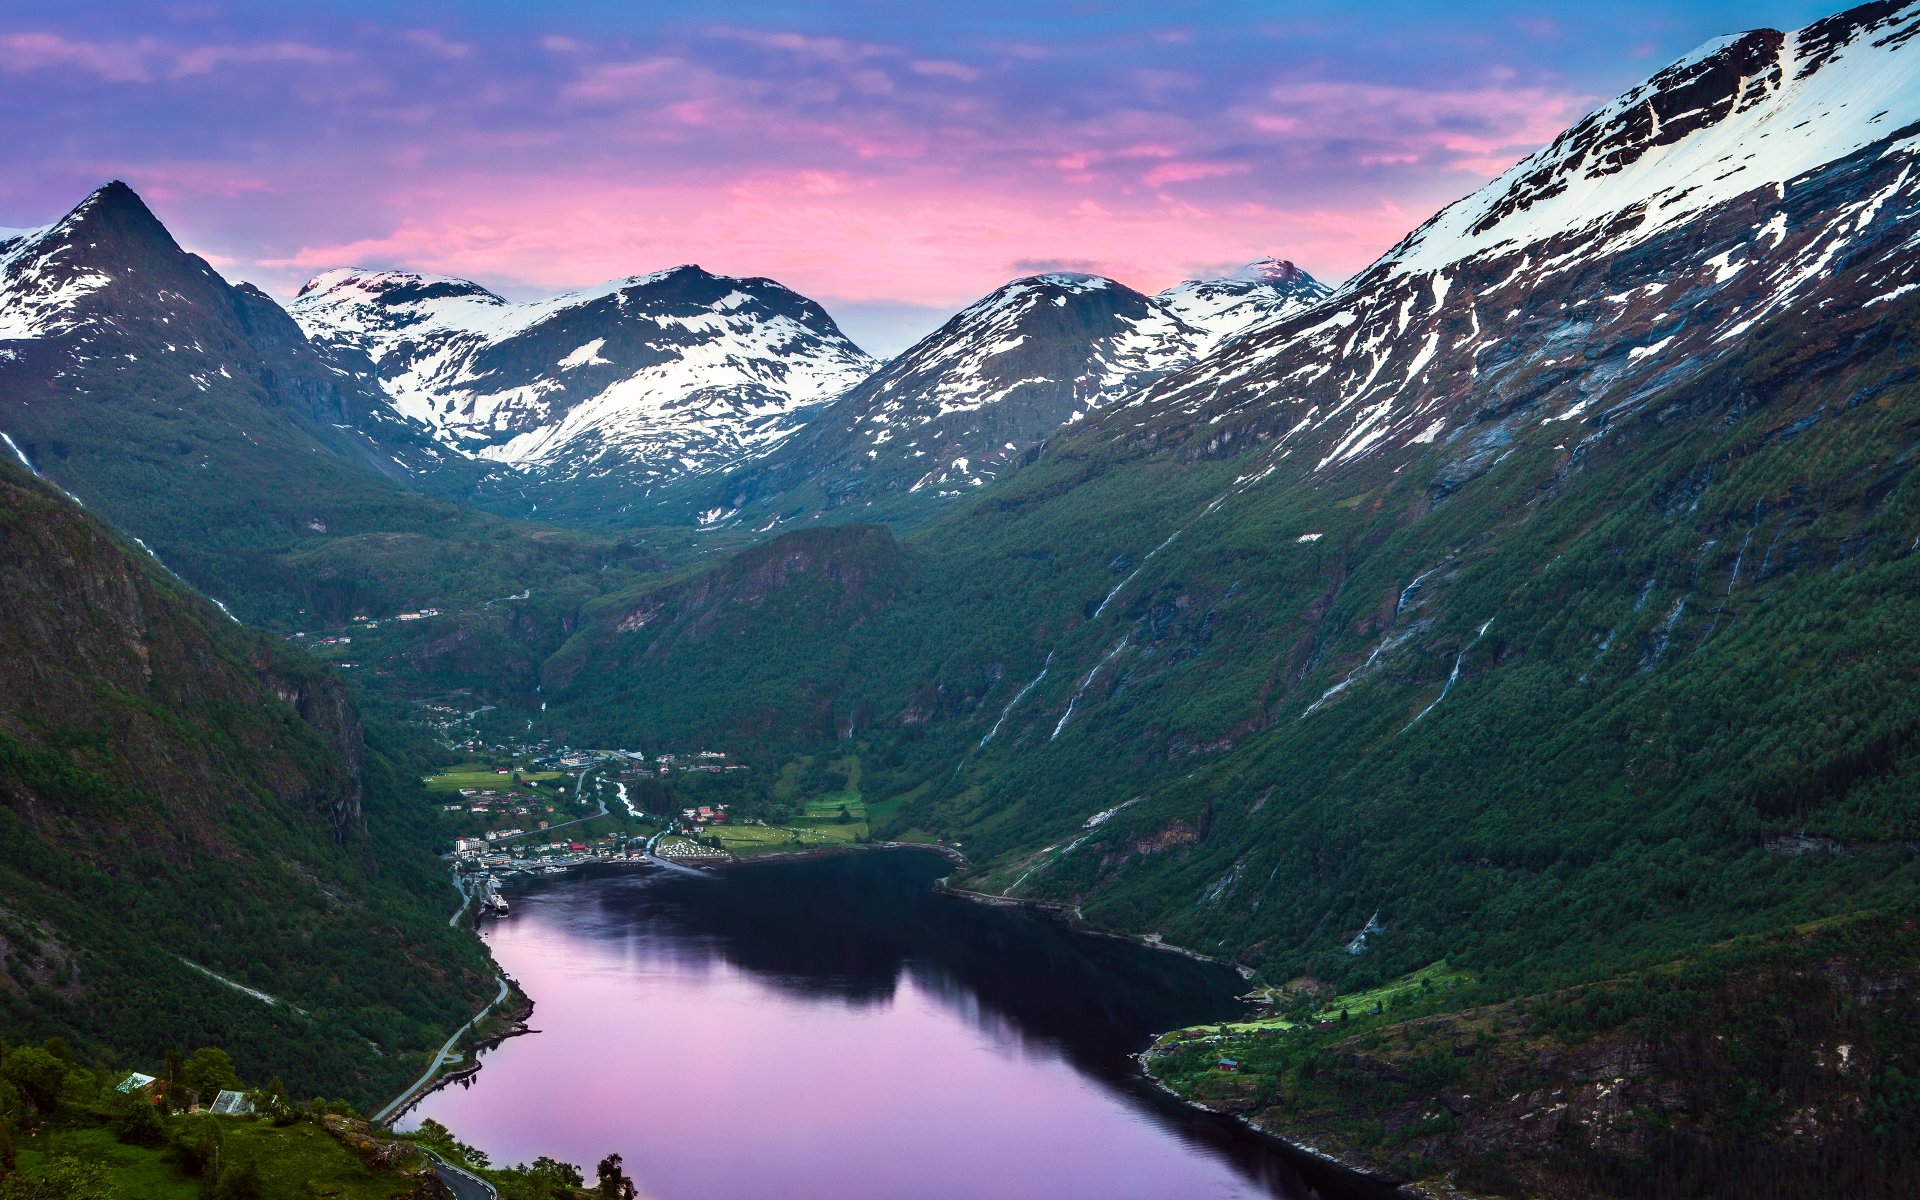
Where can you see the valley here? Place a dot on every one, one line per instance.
(1496, 675)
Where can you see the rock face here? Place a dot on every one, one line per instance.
(1763, 173)
(633, 383)
(968, 401)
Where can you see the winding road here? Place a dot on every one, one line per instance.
(399, 1103)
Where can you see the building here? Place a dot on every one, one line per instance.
(231, 1104)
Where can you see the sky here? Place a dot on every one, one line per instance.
(893, 161)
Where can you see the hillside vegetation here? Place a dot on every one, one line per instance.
(188, 809)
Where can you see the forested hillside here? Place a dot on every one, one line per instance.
(1540, 603)
(187, 810)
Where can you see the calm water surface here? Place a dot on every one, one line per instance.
(836, 1029)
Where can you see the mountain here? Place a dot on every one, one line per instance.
(1253, 297)
(106, 289)
(607, 392)
(1539, 606)
(194, 414)
(187, 809)
(971, 399)
(1740, 182)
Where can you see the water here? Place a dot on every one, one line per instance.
(836, 1029)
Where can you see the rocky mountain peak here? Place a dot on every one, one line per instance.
(1740, 113)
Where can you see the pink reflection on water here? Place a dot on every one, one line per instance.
(716, 1082)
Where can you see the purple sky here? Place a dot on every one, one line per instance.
(891, 162)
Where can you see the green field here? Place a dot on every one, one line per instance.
(805, 833)
(1437, 977)
(482, 775)
(299, 1160)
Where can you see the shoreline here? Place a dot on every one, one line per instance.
(467, 1068)
(1070, 913)
(812, 852)
(1356, 1171)
(1353, 1173)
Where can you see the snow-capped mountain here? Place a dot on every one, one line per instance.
(636, 381)
(956, 409)
(1262, 293)
(1761, 174)
(103, 303)
(194, 413)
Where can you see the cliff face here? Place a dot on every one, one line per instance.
(200, 721)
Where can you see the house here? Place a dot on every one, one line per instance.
(1228, 1064)
(134, 1082)
(576, 847)
(231, 1104)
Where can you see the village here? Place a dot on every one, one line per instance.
(528, 806)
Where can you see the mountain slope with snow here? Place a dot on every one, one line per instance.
(965, 403)
(194, 414)
(1260, 294)
(1762, 173)
(632, 383)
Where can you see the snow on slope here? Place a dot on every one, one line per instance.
(38, 288)
(952, 411)
(956, 409)
(1738, 113)
(1762, 174)
(651, 376)
(1262, 293)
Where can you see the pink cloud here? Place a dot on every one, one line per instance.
(818, 232)
(1457, 129)
(1189, 172)
(115, 62)
(825, 49)
(940, 68)
(199, 60)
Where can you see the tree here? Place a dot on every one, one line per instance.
(135, 1121)
(173, 1081)
(614, 1184)
(36, 1073)
(210, 1072)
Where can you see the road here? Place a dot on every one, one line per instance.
(399, 1102)
(463, 1184)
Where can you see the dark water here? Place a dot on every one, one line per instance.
(837, 1029)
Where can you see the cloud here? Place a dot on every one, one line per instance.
(822, 49)
(199, 60)
(147, 59)
(880, 158)
(437, 43)
(114, 62)
(1189, 172)
(1076, 266)
(940, 68)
